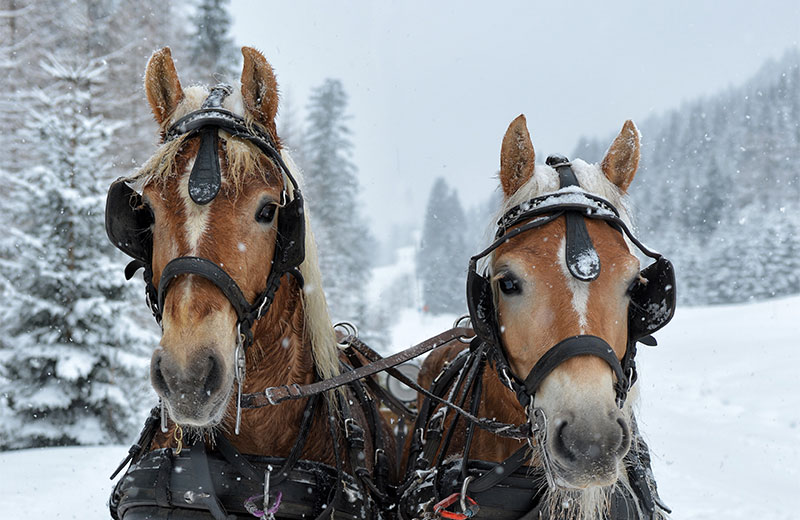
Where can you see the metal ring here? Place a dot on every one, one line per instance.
(461, 319)
(467, 321)
(349, 329)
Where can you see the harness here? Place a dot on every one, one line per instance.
(509, 490)
(194, 483)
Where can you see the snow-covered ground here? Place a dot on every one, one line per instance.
(720, 406)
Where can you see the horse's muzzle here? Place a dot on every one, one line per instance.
(194, 390)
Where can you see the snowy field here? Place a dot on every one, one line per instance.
(720, 407)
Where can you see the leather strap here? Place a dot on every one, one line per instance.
(208, 270)
(205, 179)
(501, 471)
(206, 494)
(277, 394)
(380, 392)
(163, 494)
(569, 348)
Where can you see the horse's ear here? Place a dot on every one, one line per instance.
(622, 157)
(162, 86)
(259, 88)
(516, 156)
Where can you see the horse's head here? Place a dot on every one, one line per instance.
(219, 197)
(541, 301)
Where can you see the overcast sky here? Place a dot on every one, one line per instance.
(433, 85)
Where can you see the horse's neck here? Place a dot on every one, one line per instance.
(500, 403)
(280, 355)
(281, 351)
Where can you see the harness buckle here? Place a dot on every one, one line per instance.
(347, 425)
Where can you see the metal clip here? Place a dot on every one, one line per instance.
(178, 436)
(164, 428)
(240, 367)
(347, 423)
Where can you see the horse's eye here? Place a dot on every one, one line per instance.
(509, 284)
(266, 214)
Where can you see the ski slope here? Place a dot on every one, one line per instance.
(719, 405)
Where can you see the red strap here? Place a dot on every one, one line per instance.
(440, 509)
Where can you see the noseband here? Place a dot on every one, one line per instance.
(652, 295)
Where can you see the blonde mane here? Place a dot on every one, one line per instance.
(318, 322)
(242, 157)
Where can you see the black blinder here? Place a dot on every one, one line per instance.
(290, 249)
(480, 302)
(652, 299)
(128, 222)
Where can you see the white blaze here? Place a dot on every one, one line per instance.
(196, 220)
(579, 289)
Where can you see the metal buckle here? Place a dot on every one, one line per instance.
(347, 423)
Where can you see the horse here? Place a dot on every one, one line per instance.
(562, 299)
(217, 221)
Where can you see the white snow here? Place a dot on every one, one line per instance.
(720, 408)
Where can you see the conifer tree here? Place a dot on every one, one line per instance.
(213, 55)
(442, 257)
(716, 185)
(333, 194)
(73, 365)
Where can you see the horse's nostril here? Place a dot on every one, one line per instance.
(159, 382)
(625, 437)
(214, 377)
(560, 445)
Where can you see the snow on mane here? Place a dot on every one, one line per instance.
(590, 177)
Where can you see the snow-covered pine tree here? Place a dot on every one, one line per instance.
(442, 257)
(74, 366)
(343, 238)
(717, 183)
(212, 53)
(290, 129)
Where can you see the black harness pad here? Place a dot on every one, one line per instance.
(652, 299)
(129, 221)
(581, 256)
(205, 179)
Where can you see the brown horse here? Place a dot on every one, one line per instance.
(219, 216)
(549, 286)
